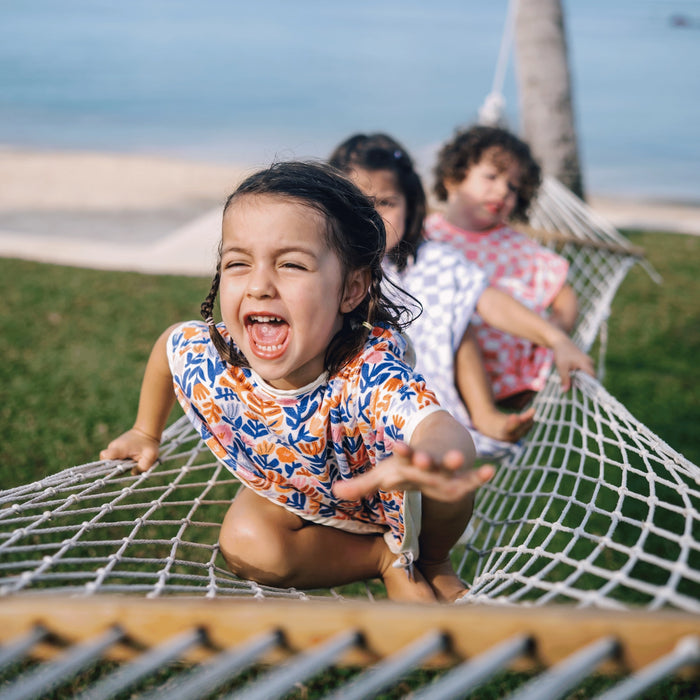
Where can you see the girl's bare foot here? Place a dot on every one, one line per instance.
(507, 427)
(443, 580)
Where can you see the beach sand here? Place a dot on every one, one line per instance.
(113, 211)
(159, 215)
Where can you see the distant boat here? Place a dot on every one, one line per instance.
(683, 21)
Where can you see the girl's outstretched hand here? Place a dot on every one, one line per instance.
(133, 444)
(448, 481)
(568, 357)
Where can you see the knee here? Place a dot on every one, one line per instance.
(255, 553)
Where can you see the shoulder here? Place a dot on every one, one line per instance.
(524, 242)
(435, 224)
(191, 339)
(379, 384)
(384, 348)
(384, 344)
(438, 228)
(188, 333)
(440, 260)
(441, 251)
(430, 249)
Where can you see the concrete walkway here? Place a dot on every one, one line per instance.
(189, 250)
(113, 211)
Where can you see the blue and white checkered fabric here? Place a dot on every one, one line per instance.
(448, 286)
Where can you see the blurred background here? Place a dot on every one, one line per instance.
(246, 82)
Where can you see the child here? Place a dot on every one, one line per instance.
(302, 392)
(450, 288)
(487, 176)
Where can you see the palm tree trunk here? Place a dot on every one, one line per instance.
(544, 87)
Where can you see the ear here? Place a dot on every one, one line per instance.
(356, 286)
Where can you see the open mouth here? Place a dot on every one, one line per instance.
(268, 335)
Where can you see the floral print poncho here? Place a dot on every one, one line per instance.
(291, 446)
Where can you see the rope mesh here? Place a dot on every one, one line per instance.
(593, 509)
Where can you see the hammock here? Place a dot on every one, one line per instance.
(592, 509)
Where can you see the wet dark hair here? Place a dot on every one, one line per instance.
(375, 152)
(355, 231)
(467, 148)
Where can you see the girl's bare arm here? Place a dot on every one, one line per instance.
(156, 400)
(501, 311)
(564, 309)
(438, 462)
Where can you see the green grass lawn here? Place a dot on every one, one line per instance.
(74, 344)
(654, 341)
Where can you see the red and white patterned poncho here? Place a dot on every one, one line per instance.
(530, 273)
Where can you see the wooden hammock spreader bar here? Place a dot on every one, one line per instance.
(383, 627)
(544, 236)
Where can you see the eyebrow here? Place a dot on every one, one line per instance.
(280, 251)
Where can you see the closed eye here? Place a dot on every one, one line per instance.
(234, 265)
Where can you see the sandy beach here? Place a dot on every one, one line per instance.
(159, 215)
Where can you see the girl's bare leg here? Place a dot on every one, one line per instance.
(475, 389)
(264, 542)
(442, 525)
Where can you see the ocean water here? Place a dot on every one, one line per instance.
(246, 82)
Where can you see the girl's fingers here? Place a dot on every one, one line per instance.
(358, 487)
(485, 473)
(453, 460)
(148, 459)
(422, 460)
(401, 449)
(443, 485)
(111, 452)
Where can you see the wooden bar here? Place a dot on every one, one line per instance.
(545, 236)
(387, 627)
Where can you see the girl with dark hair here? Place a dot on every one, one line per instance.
(350, 468)
(487, 177)
(451, 289)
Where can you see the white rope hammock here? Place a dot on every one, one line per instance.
(593, 509)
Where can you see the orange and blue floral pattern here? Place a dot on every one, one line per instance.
(292, 446)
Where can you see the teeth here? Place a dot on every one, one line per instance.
(265, 319)
(270, 348)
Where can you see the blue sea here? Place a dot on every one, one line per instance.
(246, 82)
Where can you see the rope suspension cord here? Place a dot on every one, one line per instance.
(491, 112)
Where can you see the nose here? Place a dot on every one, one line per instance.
(501, 187)
(260, 283)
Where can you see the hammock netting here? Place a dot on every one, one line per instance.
(591, 509)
